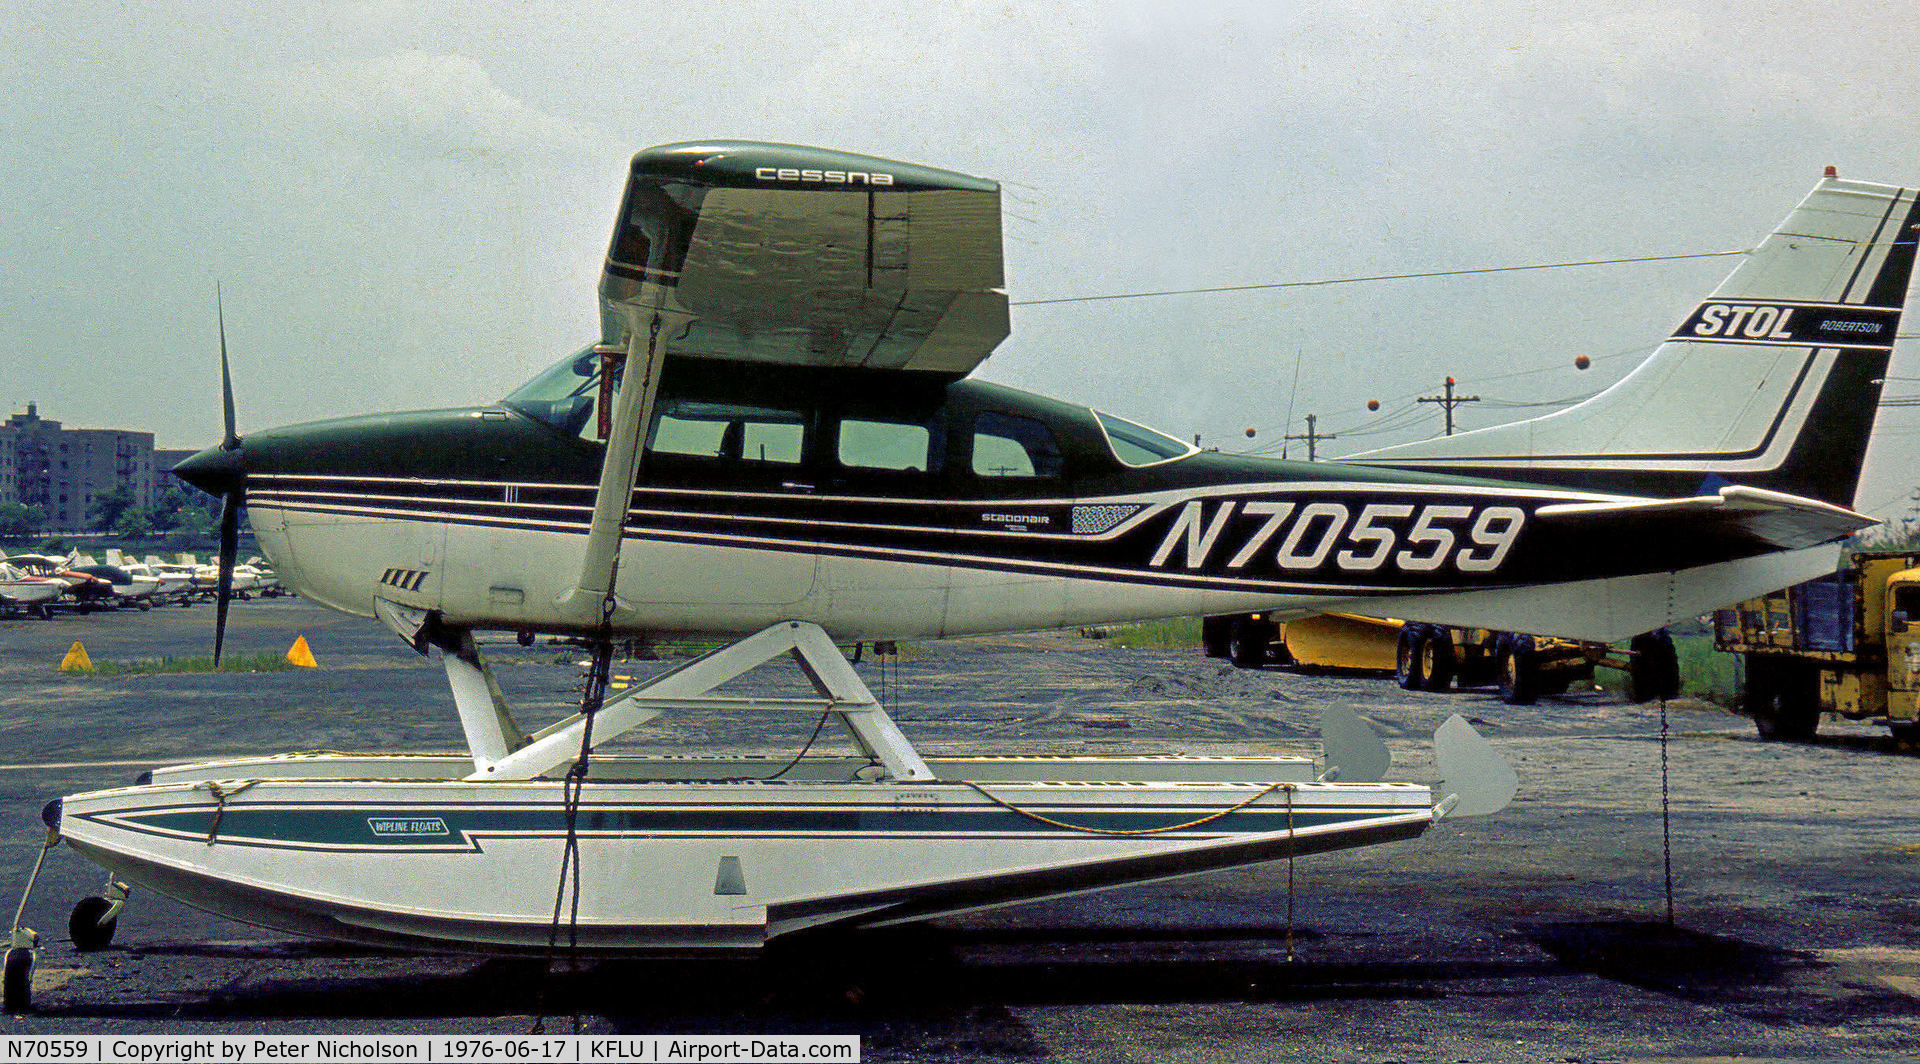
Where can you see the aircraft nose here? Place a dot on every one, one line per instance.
(216, 471)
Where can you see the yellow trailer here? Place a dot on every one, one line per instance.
(1331, 641)
(1432, 657)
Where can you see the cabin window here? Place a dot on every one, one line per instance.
(890, 445)
(728, 431)
(1008, 446)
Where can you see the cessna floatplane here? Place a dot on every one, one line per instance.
(776, 438)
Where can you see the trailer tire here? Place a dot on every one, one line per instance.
(1213, 636)
(1406, 657)
(1438, 661)
(1783, 697)
(1655, 669)
(1247, 642)
(1519, 662)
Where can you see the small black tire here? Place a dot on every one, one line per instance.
(1783, 698)
(1519, 661)
(1438, 661)
(1248, 642)
(16, 989)
(1213, 635)
(1654, 671)
(524, 637)
(84, 927)
(1406, 657)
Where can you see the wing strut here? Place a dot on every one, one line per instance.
(592, 594)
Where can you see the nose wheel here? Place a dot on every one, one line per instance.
(16, 989)
(95, 918)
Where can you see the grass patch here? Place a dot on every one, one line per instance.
(263, 662)
(1170, 634)
(1705, 672)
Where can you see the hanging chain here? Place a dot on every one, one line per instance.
(572, 788)
(1666, 816)
(1293, 847)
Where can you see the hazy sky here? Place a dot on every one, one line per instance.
(407, 203)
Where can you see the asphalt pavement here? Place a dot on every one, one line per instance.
(1538, 934)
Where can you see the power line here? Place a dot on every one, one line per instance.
(1375, 277)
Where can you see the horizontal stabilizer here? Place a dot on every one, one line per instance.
(1784, 522)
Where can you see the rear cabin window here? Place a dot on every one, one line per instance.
(728, 431)
(1008, 446)
(887, 445)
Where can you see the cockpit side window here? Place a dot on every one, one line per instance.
(566, 395)
(1138, 445)
(1006, 445)
(1907, 598)
(727, 431)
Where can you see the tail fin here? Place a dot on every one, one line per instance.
(1772, 382)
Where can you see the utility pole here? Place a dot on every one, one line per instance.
(1313, 438)
(1448, 402)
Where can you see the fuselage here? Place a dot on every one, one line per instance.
(883, 505)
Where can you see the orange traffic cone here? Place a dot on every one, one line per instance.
(302, 655)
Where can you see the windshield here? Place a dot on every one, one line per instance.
(564, 395)
(1138, 445)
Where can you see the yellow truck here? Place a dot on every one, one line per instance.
(1846, 643)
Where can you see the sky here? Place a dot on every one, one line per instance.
(405, 203)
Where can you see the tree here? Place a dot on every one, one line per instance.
(134, 523)
(19, 521)
(165, 516)
(107, 507)
(195, 522)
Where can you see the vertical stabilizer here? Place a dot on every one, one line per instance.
(1771, 382)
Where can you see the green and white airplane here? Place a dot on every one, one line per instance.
(775, 438)
(796, 327)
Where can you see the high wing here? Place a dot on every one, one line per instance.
(804, 256)
(784, 255)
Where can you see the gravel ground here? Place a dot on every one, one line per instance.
(1539, 934)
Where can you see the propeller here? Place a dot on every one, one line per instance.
(234, 497)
